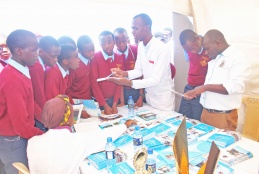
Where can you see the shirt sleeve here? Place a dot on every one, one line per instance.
(95, 87)
(239, 74)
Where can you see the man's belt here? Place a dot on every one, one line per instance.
(218, 111)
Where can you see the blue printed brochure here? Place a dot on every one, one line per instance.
(220, 168)
(160, 128)
(99, 161)
(168, 157)
(123, 140)
(198, 148)
(163, 168)
(154, 144)
(147, 133)
(121, 168)
(235, 155)
(224, 138)
(200, 129)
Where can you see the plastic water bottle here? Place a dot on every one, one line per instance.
(130, 107)
(151, 161)
(137, 139)
(110, 151)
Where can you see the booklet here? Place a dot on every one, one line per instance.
(121, 168)
(91, 107)
(154, 144)
(168, 157)
(147, 133)
(146, 115)
(123, 140)
(199, 148)
(99, 161)
(160, 128)
(200, 129)
(224, 138)
(235, 155)
(163, 168)
(77, 112)
(221, 168)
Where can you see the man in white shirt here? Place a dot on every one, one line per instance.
(153, 63)
(225, 82)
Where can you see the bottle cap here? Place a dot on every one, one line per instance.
(150, 151)
(109, 139)
(137, 127)
(130, 97)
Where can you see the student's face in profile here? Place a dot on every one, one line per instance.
(121, 40)
(139, 29)
(192, 46)
(4, 52)
(50, 57)
(73, 62)
(88, 51)
(107, 44)
(29, 55)
(210, 48)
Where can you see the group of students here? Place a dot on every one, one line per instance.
(40, 70)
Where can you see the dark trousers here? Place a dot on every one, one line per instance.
(40, 126)
(130, 92)
(191, 108)
(13, 149)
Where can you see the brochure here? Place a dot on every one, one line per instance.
(235, 155)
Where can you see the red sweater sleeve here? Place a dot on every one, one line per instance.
(52, 82)
(95, 87)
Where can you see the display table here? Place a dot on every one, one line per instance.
(249, 166)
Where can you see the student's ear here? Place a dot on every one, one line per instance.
(65, 62)
(41, 52)
(18, 51)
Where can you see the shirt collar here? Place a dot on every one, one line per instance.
(19, 67)
(126, 52)
(41, 62)
(5, 61)
(63, 72)
(84, 60)
(201, 50)
(106, 56)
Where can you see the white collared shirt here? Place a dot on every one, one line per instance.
(63, 72)
(19, 67)
(42, 64)
(231, 69)
(126, 52)
(106, 56)
(83, 59)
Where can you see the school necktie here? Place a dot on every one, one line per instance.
(123, 55)
(109, 60)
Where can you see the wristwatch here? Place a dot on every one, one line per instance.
(142, 95)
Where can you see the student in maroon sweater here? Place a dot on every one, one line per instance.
(49, 49)
(56, 77)
(65, 40)
(4, 52)
(129, 53)
(79, 85)
(16, 100)
(106, 93)
(191, 43)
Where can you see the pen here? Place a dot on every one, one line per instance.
(178, 93)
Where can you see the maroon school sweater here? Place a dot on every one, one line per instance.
(16, 104)
(37, 78)
(55, 84)
(101, 68)
(79, 85)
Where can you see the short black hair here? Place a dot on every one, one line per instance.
(46, 42)
(19, 39)
(120, 30)
(187, 35)
(65, 53)
(145, 18)
(106, 33)
(83, 40)
(65, 40)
